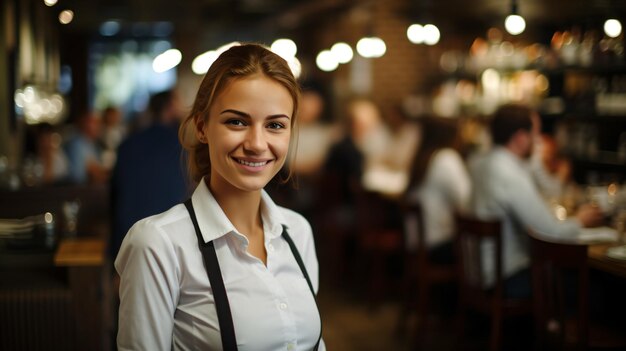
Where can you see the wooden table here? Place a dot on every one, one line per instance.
(85, 261)
(598, 260)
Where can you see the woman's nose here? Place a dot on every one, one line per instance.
(255, 140)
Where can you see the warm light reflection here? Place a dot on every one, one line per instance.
(50, 2)
(612, 28)
(38, 106)
(560, 212)
(326, 61)
(66, 16)
(490, 79)
(167, 60)
(612, 189)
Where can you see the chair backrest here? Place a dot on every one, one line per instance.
(472, 234)
(551, 261)
(414, 223)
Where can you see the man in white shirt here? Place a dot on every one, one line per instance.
(503, 188)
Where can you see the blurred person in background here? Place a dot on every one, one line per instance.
(113, 132)
(237, 136)
(504, 189)
(149, 175)
(84, 152)
(439, 181)
(314, 139)
(50, 154)
(404, 140)
(551, 170)
(315, 136)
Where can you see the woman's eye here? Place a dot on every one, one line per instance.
(235, 122)
(275, 125)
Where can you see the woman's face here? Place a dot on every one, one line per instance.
(247, 132)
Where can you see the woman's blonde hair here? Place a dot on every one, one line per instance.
(235, 63)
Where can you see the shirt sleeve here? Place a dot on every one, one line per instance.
(149, 289)
(519, 194)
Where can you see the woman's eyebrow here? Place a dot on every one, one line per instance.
(243, 114)
(278, 116)
(239, 113)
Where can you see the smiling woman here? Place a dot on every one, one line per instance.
(230, 269)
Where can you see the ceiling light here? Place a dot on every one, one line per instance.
(342, 52)
(514, 23)
(167, 60)
(612, 28)
(326, 61)
(431, 34)
(66, 16)
(50, 2)
(284, 48)
(371, 47)
(415, 33)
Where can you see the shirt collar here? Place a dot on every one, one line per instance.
(213, 222)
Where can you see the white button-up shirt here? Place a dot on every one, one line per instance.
(503, 188)
(445, 190)
(166, 300)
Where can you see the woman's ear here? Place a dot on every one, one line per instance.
(200, 130)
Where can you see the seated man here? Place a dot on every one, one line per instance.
(504, 189)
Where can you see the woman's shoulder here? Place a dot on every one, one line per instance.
(153, 230)
(295, 222)
(448, 155)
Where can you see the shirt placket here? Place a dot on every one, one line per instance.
(281, 299)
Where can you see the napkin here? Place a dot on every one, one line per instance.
(599, 234)
(618, 252)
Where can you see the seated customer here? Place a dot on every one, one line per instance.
(84, 153)
(503, 188)
(551, 171)
(440, 183)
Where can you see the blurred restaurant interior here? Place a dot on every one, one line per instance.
(78, 79)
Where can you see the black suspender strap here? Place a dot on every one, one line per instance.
(224, 317)
(296, 254)
(212, 266)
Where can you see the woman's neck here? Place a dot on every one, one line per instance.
(241, 207)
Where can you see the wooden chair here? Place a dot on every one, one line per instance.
(558, 326)
(379, 237)
(472, 233)
(420, 274)
(550, 260)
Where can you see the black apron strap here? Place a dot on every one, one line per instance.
(224, 316)
(296, 254)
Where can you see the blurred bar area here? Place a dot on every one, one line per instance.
(387, 84)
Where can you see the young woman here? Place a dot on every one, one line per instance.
(229, 269)
(439, 181)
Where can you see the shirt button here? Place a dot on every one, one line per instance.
(283, 306)
(270, 247)
(291, 346)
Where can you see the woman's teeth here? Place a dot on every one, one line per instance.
(252, 164)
